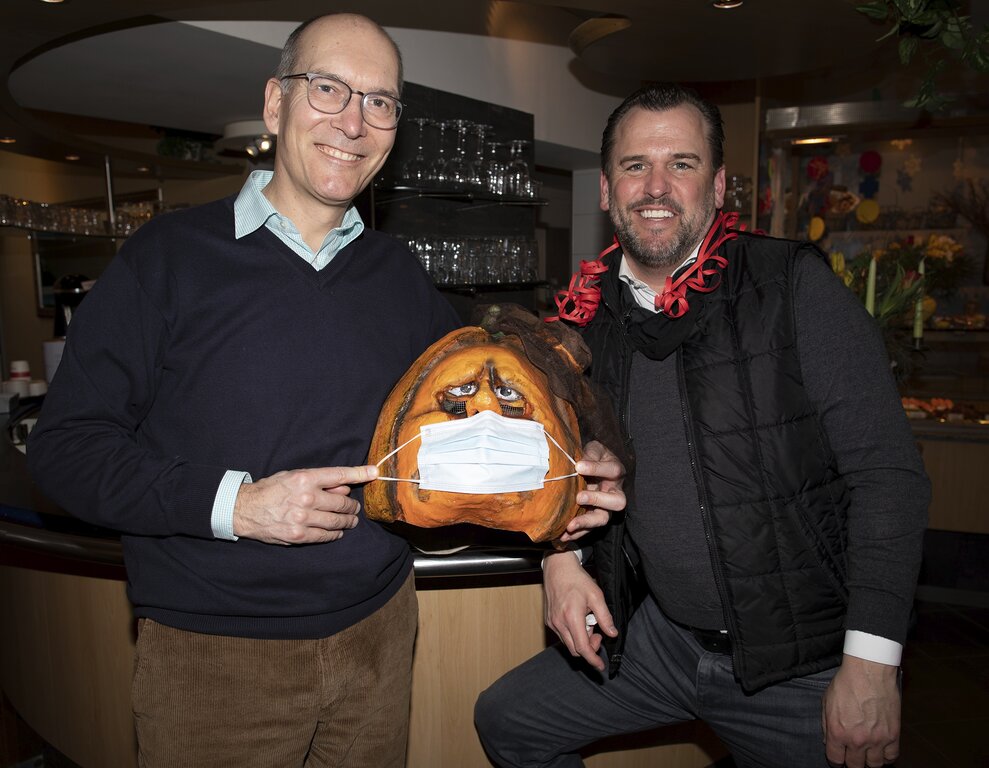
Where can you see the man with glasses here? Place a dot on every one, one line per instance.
(257, 337)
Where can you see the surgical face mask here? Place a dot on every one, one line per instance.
(485, 453)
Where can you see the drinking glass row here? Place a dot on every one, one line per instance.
(476, 260)
(463, 155)
(48, 217)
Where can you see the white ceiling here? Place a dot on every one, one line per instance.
(130, 61)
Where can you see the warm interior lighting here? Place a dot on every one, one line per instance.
(52, 1)
(72, 158)
(7, 140)
(724, 5)
(143, 169)
(249, 136)
(815, 140)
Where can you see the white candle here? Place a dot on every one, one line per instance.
(870, 288)
(918, 310)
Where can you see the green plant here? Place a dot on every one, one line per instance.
(938, 30)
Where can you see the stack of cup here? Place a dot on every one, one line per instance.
(21, 383)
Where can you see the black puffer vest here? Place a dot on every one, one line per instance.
(773, 503)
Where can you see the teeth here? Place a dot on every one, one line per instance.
(340, 155)
(654, 214)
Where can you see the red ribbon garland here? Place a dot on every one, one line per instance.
(699, 276)
(583, 293)
(579, 302)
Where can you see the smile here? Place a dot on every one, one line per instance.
(652, 213)
(338, 153)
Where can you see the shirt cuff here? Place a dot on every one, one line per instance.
(222, 517)
(582, 553)
(862, 645)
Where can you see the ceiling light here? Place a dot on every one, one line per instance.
(815, 140)
(248, 136)
(590, 31)
(7, 140)
(72, 158)
(53, 1)
(726, 5)
(143, 169)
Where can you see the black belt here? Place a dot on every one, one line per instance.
(711, 640)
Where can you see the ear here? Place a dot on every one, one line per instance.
(606, 192)
(719, 188)
(273, 99)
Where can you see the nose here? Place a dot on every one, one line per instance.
(483, 400)
(351, 120)
(657, 183)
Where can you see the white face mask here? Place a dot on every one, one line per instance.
(485, 453)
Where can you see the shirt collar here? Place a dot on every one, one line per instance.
(252, 210)
(645, 296)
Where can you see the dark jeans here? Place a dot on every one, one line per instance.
(206, 701)
(542, 712)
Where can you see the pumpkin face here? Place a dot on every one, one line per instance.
(464, 373)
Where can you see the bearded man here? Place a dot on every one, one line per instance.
(762, 577)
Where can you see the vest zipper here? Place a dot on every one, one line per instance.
(716, 567)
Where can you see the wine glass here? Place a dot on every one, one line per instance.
(437, 169)
(475, 166)
(416, 170)
(456, 166)
(517, 175)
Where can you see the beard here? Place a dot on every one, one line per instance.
(678, 244)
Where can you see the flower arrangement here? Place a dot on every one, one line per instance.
(897, 282)
(898, 265)
(894, 289)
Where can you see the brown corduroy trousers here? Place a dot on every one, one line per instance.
(205, 701)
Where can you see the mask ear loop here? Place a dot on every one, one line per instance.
(561, 477)
(388, 456)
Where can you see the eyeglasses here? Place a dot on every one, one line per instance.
(331, 96)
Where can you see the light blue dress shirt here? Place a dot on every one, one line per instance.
(253, 210)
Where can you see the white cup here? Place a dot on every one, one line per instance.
(20, 369)
(17, 387)
(37, 387)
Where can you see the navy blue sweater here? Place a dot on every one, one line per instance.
(196, 353)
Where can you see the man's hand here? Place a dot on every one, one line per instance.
(571, 594)
(304, 506)
(861, 714)
(604, 474)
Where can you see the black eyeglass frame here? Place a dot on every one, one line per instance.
(308, 77)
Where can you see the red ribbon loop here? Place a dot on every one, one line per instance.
(579, 302)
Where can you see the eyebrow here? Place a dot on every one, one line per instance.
(674, 156)
(382, 91)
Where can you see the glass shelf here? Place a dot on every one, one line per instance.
(478, 199)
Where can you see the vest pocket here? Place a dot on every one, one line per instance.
(830, 551)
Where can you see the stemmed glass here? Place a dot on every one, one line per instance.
(475, 166)
(517, 181)
(416, 170)
(437, 169)
(495, 171)
(456, 166)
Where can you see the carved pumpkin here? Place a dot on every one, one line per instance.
(464, 373)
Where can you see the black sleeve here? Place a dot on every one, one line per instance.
(847, 374)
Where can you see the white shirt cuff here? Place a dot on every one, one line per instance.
(862, 645)
(222, 517)
(582, 553)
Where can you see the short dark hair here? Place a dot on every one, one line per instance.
(290, 51)
(660, 97)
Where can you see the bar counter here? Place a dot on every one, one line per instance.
(68, 641)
